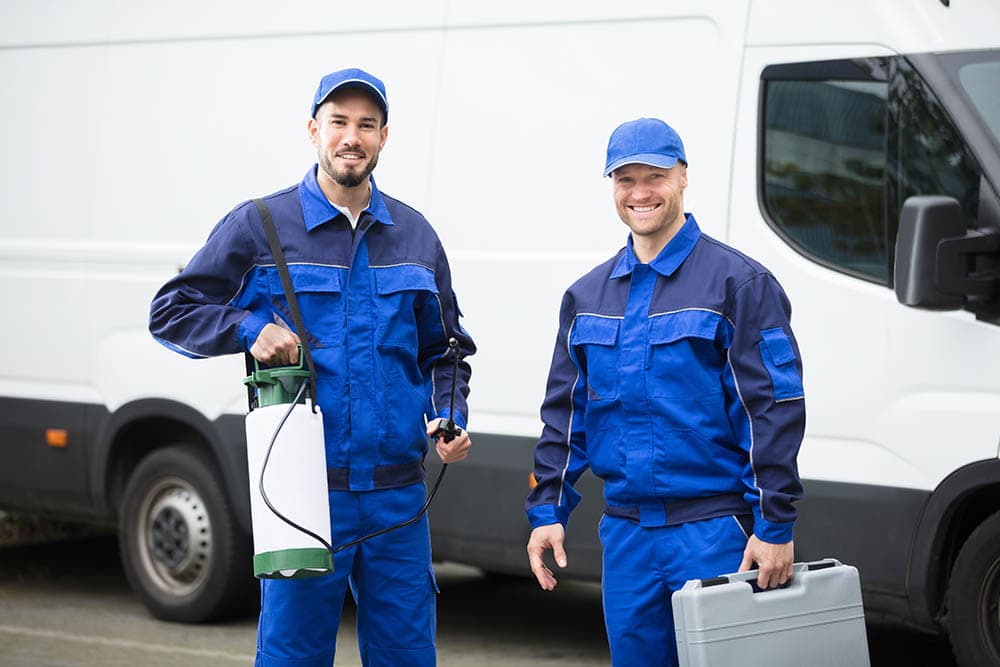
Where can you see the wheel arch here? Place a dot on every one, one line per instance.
(140, 427)
(960, 503)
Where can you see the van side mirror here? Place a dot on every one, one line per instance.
(940, 264)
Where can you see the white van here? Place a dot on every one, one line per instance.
(129, 129)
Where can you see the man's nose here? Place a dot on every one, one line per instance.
(350, 136)
(639, 191)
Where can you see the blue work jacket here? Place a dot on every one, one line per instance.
(378, 307)
(679, 384)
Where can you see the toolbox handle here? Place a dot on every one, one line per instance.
(750, 576)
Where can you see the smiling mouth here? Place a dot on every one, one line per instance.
(645, 209)
(351, 156)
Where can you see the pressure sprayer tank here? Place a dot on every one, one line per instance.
(294, 480)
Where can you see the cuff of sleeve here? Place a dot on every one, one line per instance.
(770, 532)
(249, 329)
(546, 515)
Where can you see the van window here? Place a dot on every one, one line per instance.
(931, 157)
(824, 158)
(844, 144)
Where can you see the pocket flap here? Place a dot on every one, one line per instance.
(403, 277)
(778, 346)
(308, 278)
(683, 324)
(595, 330)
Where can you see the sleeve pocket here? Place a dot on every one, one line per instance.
(778, 356)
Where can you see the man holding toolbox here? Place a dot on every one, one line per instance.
(676, 379)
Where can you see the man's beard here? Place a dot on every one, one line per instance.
(348, 178)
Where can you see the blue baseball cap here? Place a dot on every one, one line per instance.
(351, 78)
(644, 141)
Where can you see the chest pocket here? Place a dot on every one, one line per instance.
(320, 295)
(684, 360)
(403, 292)
(595, 341)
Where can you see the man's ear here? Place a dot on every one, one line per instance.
(312, 129)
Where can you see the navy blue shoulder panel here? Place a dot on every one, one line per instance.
(708, 279)
(409, 240)
(596, 292)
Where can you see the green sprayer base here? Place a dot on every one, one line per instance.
(300, 563)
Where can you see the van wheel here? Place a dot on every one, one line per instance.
(973, 617)
(182, 550)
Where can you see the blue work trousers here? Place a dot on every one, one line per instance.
(643, 566)
(390, 577)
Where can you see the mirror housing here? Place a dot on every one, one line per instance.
(940, 264)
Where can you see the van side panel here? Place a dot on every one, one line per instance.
(39, 472)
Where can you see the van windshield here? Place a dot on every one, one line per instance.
(978, 74)
(981, 82)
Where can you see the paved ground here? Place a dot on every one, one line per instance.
(66, 604)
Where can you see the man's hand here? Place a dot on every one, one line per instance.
(457, 449)
(774, 561)
(543, 538)
(276, 346)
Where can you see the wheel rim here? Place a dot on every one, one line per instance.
(989, 609)
(174, 537)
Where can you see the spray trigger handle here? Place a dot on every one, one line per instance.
(449, 431)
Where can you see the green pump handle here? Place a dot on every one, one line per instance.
(278, 385)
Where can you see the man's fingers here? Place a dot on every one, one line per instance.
(747, 563)
(450, 454)
(542, 539)
(276, 346)
(542, 573)
(559, 553)
(764, 578)
(456, 450)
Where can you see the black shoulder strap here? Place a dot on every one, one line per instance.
(286, 284)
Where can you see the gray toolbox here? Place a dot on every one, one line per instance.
(816, 620)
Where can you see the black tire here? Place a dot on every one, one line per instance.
(973, 617)
(182, 549)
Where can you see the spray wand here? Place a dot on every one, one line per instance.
(450, 430)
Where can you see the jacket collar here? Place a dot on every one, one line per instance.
(672, 255)
(317, 209)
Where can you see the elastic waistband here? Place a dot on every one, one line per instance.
(676, 512)
(385, 477)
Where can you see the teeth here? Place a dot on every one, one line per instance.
(643, 209)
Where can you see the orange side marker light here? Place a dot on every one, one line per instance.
(56, 437)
